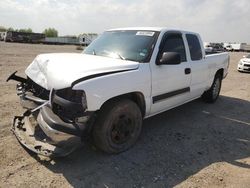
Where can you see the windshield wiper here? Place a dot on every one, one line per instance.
(119, 55)
(114, 54)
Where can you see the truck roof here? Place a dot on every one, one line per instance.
(139, 28)
(160, 29)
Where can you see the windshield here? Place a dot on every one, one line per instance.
(126, 45)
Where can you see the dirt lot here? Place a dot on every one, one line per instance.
(195, 145)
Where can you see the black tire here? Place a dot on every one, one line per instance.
(213, 93)
(118, 126)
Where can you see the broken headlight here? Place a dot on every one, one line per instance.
(76, 96)
(69, 103)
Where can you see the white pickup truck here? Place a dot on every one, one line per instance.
(123, 77)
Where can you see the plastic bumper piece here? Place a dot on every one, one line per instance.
(38, 134)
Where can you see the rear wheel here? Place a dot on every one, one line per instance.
(118, 126)
(212, 94)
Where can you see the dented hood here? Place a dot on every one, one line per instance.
(59, 70)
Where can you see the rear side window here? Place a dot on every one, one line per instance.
(174, 43)
(194, 47)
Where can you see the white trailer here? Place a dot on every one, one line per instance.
(246, 47)
(62, 40)
(237, 46)
(86, 39)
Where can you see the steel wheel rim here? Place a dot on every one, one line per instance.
(216, 88)
(122, 129)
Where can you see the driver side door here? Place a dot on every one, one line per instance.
(170, 83)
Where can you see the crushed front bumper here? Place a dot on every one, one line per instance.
(41, 130)
(38, 134)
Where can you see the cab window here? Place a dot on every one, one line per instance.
(174, 43)
(194, 47)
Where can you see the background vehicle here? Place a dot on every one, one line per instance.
(14, 36)
(2, 36)
(208, 48)
(122, 77)
(237, 47)
(244, 64)
(229, 48)
(212, 48)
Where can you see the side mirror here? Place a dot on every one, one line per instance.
(169, 58)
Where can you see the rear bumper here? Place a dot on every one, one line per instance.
(40, 134)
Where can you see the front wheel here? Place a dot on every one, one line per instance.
(118, 126)
(212, 94)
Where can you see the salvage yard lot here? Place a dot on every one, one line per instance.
(195, 145)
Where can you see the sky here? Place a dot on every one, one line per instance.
(215, 20)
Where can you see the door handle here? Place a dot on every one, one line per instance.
(187, 70)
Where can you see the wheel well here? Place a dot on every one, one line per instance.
(220, 72)
(136, 97)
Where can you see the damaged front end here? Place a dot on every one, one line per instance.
(54, 121)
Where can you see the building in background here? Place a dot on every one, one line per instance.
(73, 40)
(86, 38)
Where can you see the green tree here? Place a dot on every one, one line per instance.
(29, 30)
(2, 29)
(50, 32)
(10, 29)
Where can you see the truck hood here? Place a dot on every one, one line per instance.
(59, 70)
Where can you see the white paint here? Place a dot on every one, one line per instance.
(61, 70)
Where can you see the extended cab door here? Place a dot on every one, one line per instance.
(170, 83)
(199, 67)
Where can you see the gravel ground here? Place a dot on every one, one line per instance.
(195, 145)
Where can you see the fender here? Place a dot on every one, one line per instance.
(102, 87)
(96, 76)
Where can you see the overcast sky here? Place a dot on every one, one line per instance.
(215, 20)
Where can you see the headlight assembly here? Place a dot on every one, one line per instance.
(75, 96)
(69, 104)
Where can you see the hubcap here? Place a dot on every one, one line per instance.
(216, 88)
(122, 129)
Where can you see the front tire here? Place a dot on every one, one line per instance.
(118, 126)
(213, 93)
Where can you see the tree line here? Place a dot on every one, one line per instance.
(49, 32)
